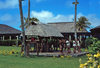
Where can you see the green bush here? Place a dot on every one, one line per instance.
(9, 42)
(88, 42)
(93, 45)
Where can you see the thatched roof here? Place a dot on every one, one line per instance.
(98, 27)
(43, 30)
(5, 29)
(65, 27)
(95, 30)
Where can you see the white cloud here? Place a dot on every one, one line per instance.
(46, 16)
(93, 20)
(8, 4)
(42, 14)
(79, 15)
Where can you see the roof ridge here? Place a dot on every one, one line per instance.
(60, 22)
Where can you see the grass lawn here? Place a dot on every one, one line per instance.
(12, 61)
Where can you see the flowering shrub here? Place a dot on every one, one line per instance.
(93, 61)
(68, 56)
(22, 54)
(20, 45)
(62, 56)
(9, 52)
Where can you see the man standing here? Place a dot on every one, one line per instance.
(68, 46)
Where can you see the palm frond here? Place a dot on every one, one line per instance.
(82, 23)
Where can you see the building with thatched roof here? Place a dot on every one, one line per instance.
(67, 29)
(96, 32)
(8, 33)
(42, 30)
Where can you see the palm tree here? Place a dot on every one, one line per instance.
(30, 21)
(22, 24)
(82, 23)
(28, 10)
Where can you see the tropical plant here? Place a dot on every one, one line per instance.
(93, 45)
(30, 22)
(82, 23)
(88, 42)
(93, 61)
(28, 10)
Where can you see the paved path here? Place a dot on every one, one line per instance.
(50, 54)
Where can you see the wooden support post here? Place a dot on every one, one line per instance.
(3, 38)
(84, 36)
(27, 49)
(17, 41)
(9, 37)
(80, 37)
(91, 36)
(37, 49)
(17, 37)
(0, 38)
(69, 37)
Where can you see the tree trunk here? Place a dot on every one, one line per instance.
(28, 10)
(22, 24)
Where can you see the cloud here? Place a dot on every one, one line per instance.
(94, 20)
(8, 4)
(42, 14)
(47, 16)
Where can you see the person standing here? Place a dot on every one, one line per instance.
(60, 46)
(74, 45)
(68, 46)
(78, 46)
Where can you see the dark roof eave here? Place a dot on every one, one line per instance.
(9, 33)
(98, 27)
(74, 32)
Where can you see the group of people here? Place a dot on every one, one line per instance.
(66, 45)
(55, 45)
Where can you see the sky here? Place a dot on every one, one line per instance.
(48, 11)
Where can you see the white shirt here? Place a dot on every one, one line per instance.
(78, 43)
(67, 43)
(74, 43)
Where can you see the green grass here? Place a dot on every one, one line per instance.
(37, 62)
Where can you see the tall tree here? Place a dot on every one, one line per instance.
(75, 19)
(22, 24)
(82, 23)
(29, 20)
(28, 10)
